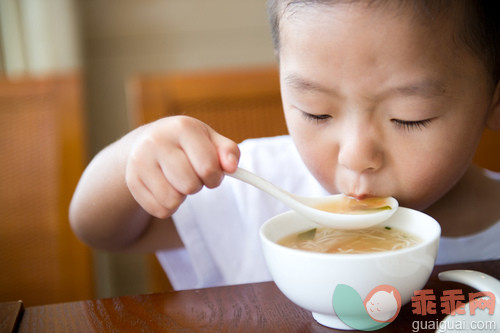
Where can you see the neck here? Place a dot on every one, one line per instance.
(471, 206)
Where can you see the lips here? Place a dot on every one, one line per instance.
(360, 196)
(360, 186)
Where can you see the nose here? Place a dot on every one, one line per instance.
(361, 149)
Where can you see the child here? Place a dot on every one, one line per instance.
(381, 98)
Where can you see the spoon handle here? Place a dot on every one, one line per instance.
(305, 206)
(262, 184)
(477, 280)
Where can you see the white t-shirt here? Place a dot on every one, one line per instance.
(484, 245)
(220, 227)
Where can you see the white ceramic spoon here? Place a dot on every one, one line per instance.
(305, 206)
(481, 320)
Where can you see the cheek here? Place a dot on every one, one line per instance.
(424, 176)
(321, 165)
(318, 154)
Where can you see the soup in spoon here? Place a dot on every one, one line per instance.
(348, 205)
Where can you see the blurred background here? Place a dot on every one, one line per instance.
(121, 38)
(68, 72)
(102, 44)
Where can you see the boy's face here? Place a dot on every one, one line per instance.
(379, 104)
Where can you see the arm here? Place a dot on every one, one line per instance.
(143, 178)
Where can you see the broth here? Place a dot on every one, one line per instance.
(348, 205)
(330, 240)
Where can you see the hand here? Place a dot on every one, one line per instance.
(174, 157)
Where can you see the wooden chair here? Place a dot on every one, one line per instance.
(41, 159)
(239, 103)
(488, 152)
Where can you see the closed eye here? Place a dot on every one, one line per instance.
(316, 117)
(412, 125)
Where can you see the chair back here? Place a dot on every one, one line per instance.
(238, 103)
(488, 152)
(41, 158)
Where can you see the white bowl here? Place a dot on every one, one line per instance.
(309, 279)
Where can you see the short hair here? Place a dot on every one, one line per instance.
(477, 26)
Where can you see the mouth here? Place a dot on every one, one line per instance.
(360, 196)
(360, 188)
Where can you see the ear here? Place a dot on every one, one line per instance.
(493, 120)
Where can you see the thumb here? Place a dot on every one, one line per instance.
(227, 151)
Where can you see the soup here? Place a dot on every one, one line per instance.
(330, 240)
(348, 205)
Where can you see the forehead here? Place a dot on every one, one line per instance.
(423, 10)
(350, 21)
(345, 24)
(351, 45)
(441, 16)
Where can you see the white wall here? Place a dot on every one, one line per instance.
(39, 37)
(111, 40)
(125, 37)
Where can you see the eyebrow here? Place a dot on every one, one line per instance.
(300, 83)
(426, 88)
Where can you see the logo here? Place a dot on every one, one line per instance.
(380, 307)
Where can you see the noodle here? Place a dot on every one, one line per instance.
(329, 240)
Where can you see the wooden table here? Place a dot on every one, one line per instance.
(258, 307)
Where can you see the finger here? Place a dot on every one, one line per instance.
(202, 154)
(143, 196)
(149, 187)
(227, 151)
(165, 192)
(178, 171)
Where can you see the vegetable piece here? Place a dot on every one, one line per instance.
(307, 235)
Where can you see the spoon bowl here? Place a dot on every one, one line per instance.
(306, 205)
(481, 282)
